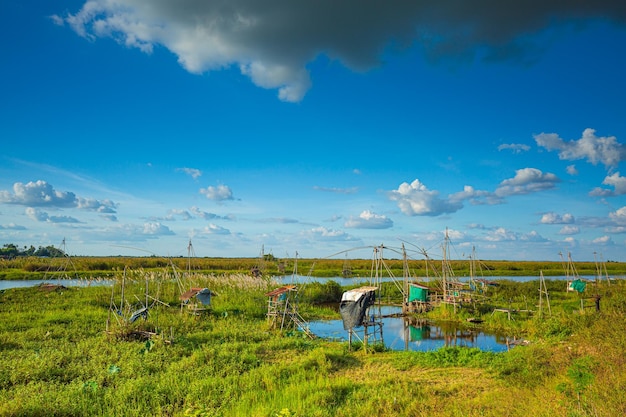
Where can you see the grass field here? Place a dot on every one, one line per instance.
(58, 359)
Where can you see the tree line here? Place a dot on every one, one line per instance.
(10, 251)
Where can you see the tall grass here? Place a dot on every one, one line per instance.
(57, 360)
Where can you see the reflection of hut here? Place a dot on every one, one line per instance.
(355, 312)
(202, 301)
(418, 299)
(346, 272)
(282, 309)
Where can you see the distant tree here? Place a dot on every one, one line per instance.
(49, 251)
(9, 250)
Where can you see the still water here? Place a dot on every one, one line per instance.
(403, 333)
(22, 283)
(303, 279)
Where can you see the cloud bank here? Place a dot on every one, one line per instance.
(271, 42)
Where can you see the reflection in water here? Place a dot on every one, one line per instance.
(413, 334)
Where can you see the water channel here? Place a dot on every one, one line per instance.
(411, 334)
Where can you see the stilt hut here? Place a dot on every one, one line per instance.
(202, 301)
(355, 312)
(282, 309)
(418, 299)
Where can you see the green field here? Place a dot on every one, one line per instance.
(66, 352)
(100, 267)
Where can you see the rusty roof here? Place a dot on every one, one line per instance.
(191, 293)
(281, 290)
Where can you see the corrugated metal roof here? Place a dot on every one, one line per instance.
(281, 290)
(191, 293)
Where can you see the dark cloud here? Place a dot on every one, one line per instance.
(272, 41)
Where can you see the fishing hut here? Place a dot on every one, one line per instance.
(282, 310)
(418, 300)
(357, 312)
(197, 300)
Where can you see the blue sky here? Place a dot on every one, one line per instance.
(132, 127)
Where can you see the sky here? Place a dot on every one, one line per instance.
(314, 129)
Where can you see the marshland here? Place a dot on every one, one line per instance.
(73, 350)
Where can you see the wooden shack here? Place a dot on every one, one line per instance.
(282, 310)
(197, 300)
(418, 299)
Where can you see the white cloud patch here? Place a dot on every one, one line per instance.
(42, 194)
(554, 218)
(38, 194)
(41, 216)
(602, 240)
(272, 42)
(213, 229)
(569, 230)
(514, 147)
(369, 220)
(219, 193)
(616, 181)
(571, 170)
(12, 226)
(192, 172)
(208, 216)
(500, 234)
(619, 216)
(100, 206)
(156, 229)
(415, 199)
(328, 235)
(351, 190)
(605, 150)
(527, 180)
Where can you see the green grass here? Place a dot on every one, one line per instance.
(58, 360)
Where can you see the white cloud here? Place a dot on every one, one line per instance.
(514, 147)
(43, 194)
(325, 234)
(604, 150)
(527, 180)
(616, 181)
(619, 216)
(156, 229)
(37, 194)
(501, 235)
(554, 218)
(219, 193)
(369, 220)
(183, 214)
(351, 190)
(192, 172)
(602, 240)
(42, 216)
(12, 226)
(208, 216)
(213, 229)
(571, 170)
(272, 42)
(474, 196)
(569, 230)
(416, 199)
(100, 206)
